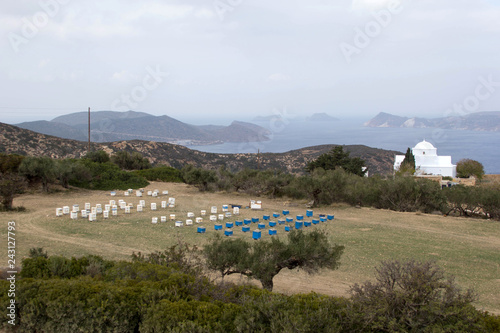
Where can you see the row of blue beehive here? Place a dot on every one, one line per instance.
(257, 233)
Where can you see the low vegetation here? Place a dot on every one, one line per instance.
(333, 177)
(166, 292)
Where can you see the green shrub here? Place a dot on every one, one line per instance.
(108, 176)
(412, 297)
(161, 173)
(196, 316)
(407, 194)
(77, 305)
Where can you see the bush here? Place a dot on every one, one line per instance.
(99, 156)
(161, 173)
(204, 180)
(489, 200)
(128, 161)
(412, 297)
(407, 194)
(78, 305)
(193, 316)
(108, 176)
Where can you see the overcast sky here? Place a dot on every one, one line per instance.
(240, 58)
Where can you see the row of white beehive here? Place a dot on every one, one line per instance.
(140, 192)
(188, 222)
(97, 209)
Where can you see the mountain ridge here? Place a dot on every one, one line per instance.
(17, 140)
(115, 126)
(478, 121)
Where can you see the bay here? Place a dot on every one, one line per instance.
(295, 134)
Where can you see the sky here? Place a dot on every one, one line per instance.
(203, 60)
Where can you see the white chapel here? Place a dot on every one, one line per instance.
(427, 162)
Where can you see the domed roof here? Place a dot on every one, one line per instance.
(424, 145)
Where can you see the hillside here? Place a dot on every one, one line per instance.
(479, 121)
(109, 126)
(25, 142)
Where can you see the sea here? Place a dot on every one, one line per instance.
(288, 135)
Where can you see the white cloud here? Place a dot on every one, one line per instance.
(43, 63)
(278, 77)
(123, 76)
(372, 4)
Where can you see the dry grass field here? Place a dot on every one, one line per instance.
(469, 249)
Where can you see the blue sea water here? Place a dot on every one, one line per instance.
(289, 135)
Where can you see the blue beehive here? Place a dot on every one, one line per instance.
(218, 226)
(315, 221)
(266, 217)
(247, 221)
(309, 213)
(281, 221)
(286, 212)
(272, 232)
(307, 223)
(276, 215)
(261, 226)
(288, 228)
(289, 219)
(238, 223)
(322, 219)
(229, 224)
(228, 232)
(255, 219)
(245, 229)
(256, 234)
(201, 230)
(330, 217)
(272, 223)
(298, 225)
(300, 217)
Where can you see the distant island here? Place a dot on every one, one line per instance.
(108, 126)
(479, 121)
(321, 117)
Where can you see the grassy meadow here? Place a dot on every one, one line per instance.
(469, 249)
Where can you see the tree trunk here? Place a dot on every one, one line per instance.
(267, 284)
(7, 202)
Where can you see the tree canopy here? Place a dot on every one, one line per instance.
(467, 167)
(338, 158)
(408, 164)
(263, 260)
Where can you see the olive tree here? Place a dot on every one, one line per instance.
(41, 169)
(11, 185)
(467, 167)
(263, 260)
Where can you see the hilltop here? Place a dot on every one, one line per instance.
(107, 126)
(17, 140)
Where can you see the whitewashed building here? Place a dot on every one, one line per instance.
(427, 161)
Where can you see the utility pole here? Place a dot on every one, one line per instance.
(89, 131)
(258, 159)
